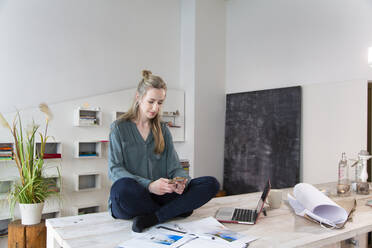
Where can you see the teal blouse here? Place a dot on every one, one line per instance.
(131, 156)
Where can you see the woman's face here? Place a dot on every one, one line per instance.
(151, 103)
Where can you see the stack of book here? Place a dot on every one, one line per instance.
(88, 154)
(52, 184)
(185, 163)
(88, 120)
(6, 152)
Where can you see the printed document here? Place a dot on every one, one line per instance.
(207, 232)
(309, 201)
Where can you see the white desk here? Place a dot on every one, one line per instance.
(280, 228)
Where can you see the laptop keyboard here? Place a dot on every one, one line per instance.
(246, 215)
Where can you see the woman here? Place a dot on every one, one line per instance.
(142, 162)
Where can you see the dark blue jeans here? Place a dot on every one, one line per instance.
(130, 199)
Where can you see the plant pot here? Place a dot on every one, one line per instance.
(31, 213)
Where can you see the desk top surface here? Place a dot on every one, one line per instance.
(280, 228)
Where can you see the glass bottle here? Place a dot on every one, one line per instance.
(362, 184)
(343, 184)
(356, 175)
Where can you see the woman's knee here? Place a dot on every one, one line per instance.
(210, 182)
(124, 186)
(119, 213)
(214, 184)
(125, 195)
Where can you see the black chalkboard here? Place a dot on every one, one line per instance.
(262, 139)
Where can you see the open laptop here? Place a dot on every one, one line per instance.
(244, 216)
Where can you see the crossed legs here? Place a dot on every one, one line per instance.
(129, 199)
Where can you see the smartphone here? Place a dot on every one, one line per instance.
(177, 179)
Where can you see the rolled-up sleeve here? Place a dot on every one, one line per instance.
(116, 161)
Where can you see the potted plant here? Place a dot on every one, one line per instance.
(33, 188)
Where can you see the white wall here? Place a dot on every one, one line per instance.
(334, 120)
(202, 76)
(321, 45)
(187, 76)
(209, 88)
(64, 50)
(277, 43)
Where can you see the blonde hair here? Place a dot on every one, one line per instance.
(148, 81)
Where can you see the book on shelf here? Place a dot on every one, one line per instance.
(52, 155)
(52, 185)
(6, 154)
(170, 124)
(6, 149)
(185, 166)
(88, 154)
(6, 158)
(170, 113)
(185, 163)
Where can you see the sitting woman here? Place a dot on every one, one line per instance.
(143, 162)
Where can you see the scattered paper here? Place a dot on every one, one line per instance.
(157, 239)
(207, 232)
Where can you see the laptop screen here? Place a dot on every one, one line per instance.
(265, 192)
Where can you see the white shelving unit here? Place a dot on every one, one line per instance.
(55, 183)
(4, 225)
(175, 123)
(53, 150)
(50, 215)
(172, 119)
(5, 186)
(52, 207)
(5, 211)
(88, 149)
(52, 171)
(116, 115)
(173, 112)
(87, 209)
(87, 181)
(87, 117)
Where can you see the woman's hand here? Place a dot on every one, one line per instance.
(161, 187)
(180, 186)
